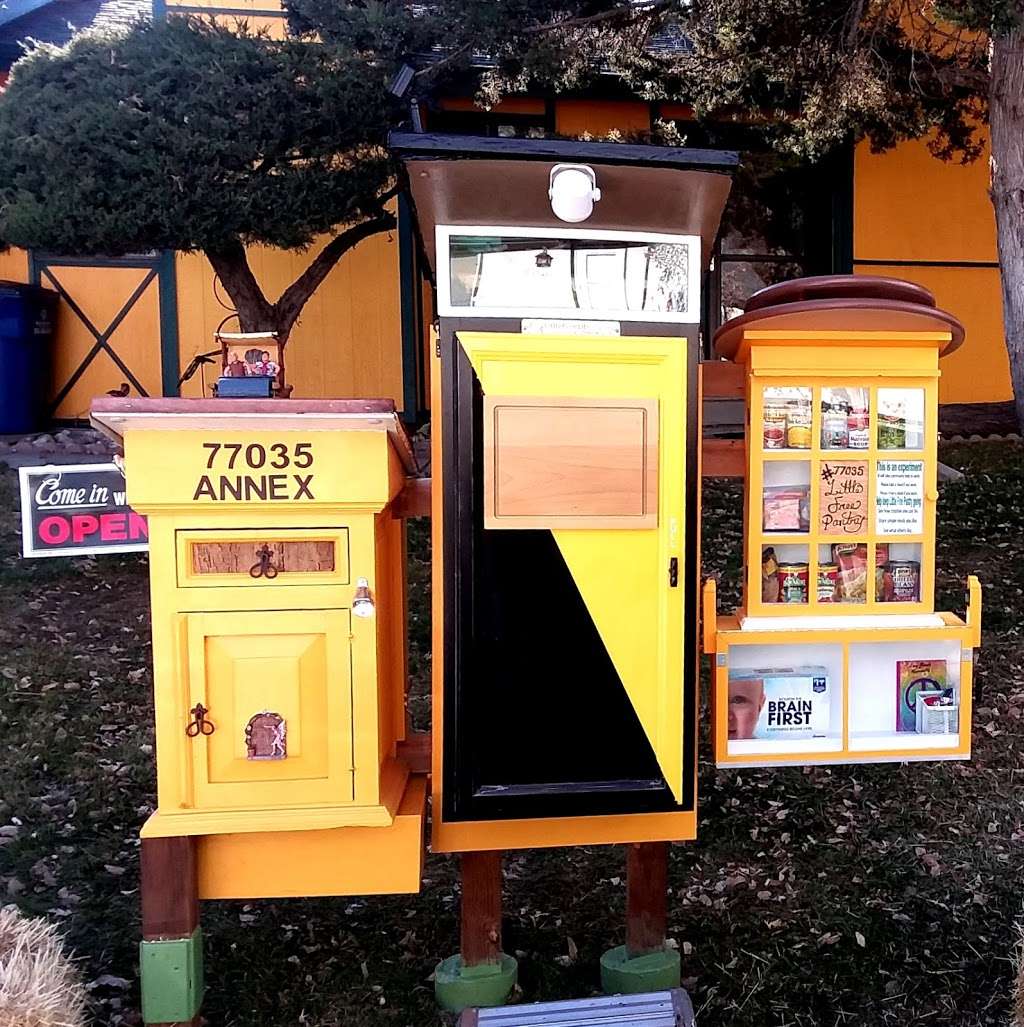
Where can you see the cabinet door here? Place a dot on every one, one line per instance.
(276, 697)
(570, 677)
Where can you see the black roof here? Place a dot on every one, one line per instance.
(60, 20)
(425, 145)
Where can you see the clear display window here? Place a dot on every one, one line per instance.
(904, 695)
(785, 574)
(900, 419)
(786, 496)
(787, 417)
(845, 418)
(901, 572)
(785, 699)
(571, 273)
(853, 572)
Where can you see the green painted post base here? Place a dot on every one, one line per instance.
(656, 971)
(458, 987)
(172, 978)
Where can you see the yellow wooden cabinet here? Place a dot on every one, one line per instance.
(837, 632)
(278, 611)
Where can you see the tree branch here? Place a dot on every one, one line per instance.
(627, 14)
(294, 298)
(231, 264)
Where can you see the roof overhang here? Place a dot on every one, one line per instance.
(470, 180)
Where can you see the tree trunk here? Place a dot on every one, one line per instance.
(1006, 118)
(255, 312)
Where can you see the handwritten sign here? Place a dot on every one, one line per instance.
(899, 497)
(843, 497)
(76, 510)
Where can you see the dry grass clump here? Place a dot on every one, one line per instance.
(39, 985)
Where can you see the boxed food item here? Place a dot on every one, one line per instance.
(912, 678)
(779, 703)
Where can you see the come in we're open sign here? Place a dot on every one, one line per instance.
(78, 510)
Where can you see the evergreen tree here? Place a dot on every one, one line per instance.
(188, 135)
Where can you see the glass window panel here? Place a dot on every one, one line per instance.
(845, 418)
(901, 572)
(786, 496)
(900, 418)
(591, 275)
(851, 561)
(786, 412)
(784, 574)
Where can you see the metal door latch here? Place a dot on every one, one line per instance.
(263, 568)
(199, 725)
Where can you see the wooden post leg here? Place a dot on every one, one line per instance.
(646, 898)
(481, 908)
(171, 953)
(481, 974)
(644, 963)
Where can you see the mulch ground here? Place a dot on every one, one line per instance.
(846, 895)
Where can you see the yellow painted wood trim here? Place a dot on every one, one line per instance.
(491, 835)
(336, 861)
(238, 821)
(785, 336)
(731, 634)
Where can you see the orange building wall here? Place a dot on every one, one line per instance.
(911, 207)
(510, 105)
(14, 265)
(274, 26)
(599, 117)
(348, 341)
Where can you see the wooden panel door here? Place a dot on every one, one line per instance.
(567, 462)
(276, 698)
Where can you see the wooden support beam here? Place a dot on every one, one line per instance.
(414, 499)
(723, 458)
(481, 908)
(646, 897)
(722, 379)
(169, 888)
(415, 751)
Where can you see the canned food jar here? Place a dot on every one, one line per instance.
(906, 581)
(835, 430)
(798, 424)
(774, 426)
(828, 582)
(892, 432)
(793, 579)
(859, 435)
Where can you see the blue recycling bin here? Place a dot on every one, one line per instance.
(27, 317)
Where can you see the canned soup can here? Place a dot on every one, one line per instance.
(906, 581)
(793, 582)
(828, 582)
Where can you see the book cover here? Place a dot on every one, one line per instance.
(779, 703)
(913, 676)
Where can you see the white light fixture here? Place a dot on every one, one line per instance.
(362, 601)
(572, 190)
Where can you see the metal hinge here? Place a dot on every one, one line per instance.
(673, 572)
